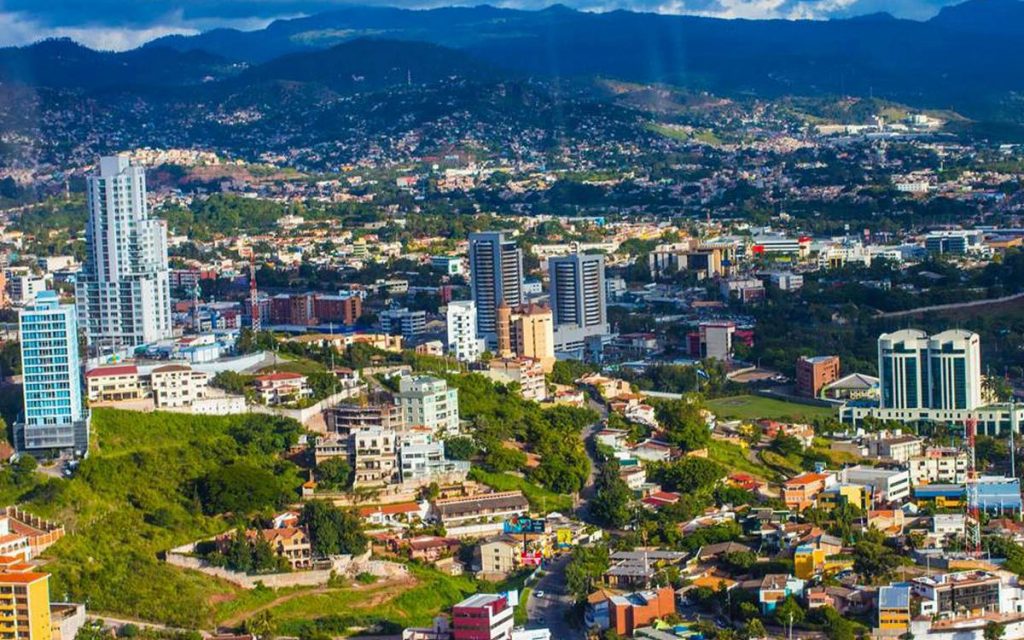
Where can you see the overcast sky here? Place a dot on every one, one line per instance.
(125, 24)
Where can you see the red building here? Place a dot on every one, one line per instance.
(484, 616)
(814, 373)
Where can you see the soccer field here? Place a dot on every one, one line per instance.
(756, 407)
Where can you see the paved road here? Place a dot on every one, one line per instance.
(591, 447)
(553, 611)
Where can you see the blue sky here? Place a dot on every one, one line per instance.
(124, 24)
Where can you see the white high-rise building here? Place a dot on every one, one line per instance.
(938, 372)
(577, 300)
(463, 342)
(123, 295)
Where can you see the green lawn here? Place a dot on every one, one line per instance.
(734, 458)
(542, 501)
(295, 364)
(748, 407)
(344, 611)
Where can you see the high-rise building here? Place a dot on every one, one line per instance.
(577, 300)
(54, 416)
(938, 372)
(427, 401)
(532, 334)
(463, 342)
(497, 276)
(123, 291)
(24, 602)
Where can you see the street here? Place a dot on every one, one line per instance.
(552, 611)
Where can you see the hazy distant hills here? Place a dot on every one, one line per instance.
(967, 57)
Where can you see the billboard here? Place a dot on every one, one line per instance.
(524, 524)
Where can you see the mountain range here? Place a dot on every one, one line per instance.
(966, 57)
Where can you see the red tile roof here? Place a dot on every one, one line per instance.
(121, 370)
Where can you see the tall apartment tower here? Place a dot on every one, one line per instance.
(55, 417)
(938, 372)
(497, 276)
(123, 293)
(462, 339)
(577, 300)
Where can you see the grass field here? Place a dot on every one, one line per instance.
(392, 605)
(748, 407)
(541, 500)
(734, 458)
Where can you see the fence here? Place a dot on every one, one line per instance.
(346, 565)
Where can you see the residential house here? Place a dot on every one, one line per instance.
(282, 387)
(775, 588)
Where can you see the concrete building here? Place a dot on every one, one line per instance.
(345, 418)
(716, 340)
(463, 342)
(403, 322)
(54, 415)
(496, 266)
(933, 379)
(374, 457)
(22, 288)
(24, 602)
(421, 457)
(483, 616)
(814, 373)
(971, 591)
(899, 448)
(427, 401)
(123, 293)
(176, 385)
(282, 387)
(527, 331)
(526, 372)
(577, 301)
(893, 610)
(886, 485)
(938, 372)
(500, 555)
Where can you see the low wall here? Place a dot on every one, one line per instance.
(341, 566)
(308, 413)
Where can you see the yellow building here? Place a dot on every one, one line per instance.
(24, 602)
(808, 561)
(893, 610)
(852, 494)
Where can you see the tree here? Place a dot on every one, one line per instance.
(333, 531)
(755, 629)
(787, 445)
(260, 625)
(239, 489)
(789, 612)
(334, 474)
(684, 424)
(611, 502)
(501, 458)
(688, 475)
(459, 448)
(586, 566)
(994, 631)
(874, 561)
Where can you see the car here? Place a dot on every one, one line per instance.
(538, 593)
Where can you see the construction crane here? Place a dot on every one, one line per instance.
(972, 519)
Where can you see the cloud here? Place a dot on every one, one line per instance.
(125, 24)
